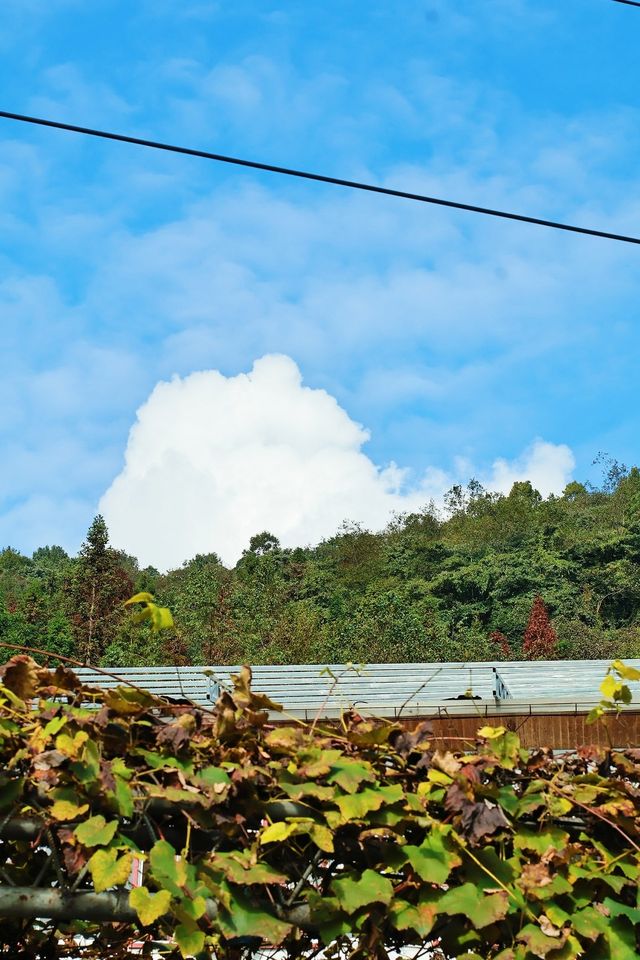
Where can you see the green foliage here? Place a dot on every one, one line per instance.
(362, 835)
(432, 586)
(99, 585)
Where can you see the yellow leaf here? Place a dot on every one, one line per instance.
(67, 810)
(609, 687)
(490, 733)
(625, 671)
(109, 871)
(322, 837)
(437, 776)
(143, 597)
(277, 831)
(149, 906)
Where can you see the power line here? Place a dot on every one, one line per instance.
(318, 177)
(630, 3)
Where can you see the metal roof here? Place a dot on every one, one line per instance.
(391, 689)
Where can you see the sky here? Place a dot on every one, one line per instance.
(202, 352)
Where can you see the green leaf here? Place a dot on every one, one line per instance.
(617, 909)
(124, 798)
(107, 870)
(191, 908)
(551, 838)
(420, 917)
(356, 806)
(238, 868)
(190, 940)
(149, 906)
(372, 887)
(467, 900)
(212, 776)
(277, 832)
(245, 919)
(298, 790)
(96, 832)
(621, 939)
(590, 923)
(322, 837)
(349, 774)
(167, 867)
(435, 858)
(538, 942)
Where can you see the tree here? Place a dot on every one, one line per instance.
(98, 588)
(265, 542)
(540, 640)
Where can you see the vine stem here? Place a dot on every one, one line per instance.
(464, 847)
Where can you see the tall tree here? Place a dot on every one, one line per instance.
(98, 588)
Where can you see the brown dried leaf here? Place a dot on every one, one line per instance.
(179, 732)
(446, 762)
(534, 876)
(481, 819)
(20, 675)
(414, 741)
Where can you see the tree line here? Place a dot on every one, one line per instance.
(491, 576)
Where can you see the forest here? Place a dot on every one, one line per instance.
(490, 576)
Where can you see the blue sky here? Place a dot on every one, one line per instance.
(454, 339)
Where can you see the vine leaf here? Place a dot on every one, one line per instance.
(68, 810)
(149, 906)
(538, 943)
(243, 918)
(481, 910)
(95, 832)
(419, 918)
(434, 859)
(190, 940)
(107, 870)
(168, 868)
(20, 676)
(349, 774)
(353, 894)
(355, 806)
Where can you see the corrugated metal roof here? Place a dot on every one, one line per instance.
(391, 689)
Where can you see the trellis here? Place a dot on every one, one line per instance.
(359, 833)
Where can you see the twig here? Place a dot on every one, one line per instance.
(303, 879)
(416, 692)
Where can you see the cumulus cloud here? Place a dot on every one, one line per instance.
(547, 465)
(212, 460)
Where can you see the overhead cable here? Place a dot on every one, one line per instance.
(319, 178)
(630, 3)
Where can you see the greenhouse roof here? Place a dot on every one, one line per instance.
(390, 689)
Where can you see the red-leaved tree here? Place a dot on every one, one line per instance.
(540, 639)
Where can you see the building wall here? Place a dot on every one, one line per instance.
(560, 731)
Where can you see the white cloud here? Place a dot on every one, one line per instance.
(211, 460)
(547, 465)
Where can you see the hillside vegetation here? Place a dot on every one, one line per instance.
(456, 585)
